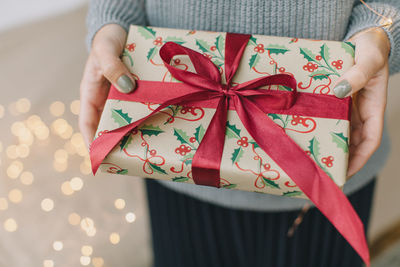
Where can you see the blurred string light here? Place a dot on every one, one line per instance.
(119, 203)
(1, 111)
(33, 128)
(3, 203)
(385, 22)
(48, 263)
(26, 178)
(58, 245)
(47, 204)
(10, 225)
(57, 108)
(114, 238)
(15, 195)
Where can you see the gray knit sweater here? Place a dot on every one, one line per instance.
(316, 19)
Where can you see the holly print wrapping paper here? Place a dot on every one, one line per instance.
(163, 146)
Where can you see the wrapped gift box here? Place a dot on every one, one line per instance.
(164, 145)
(282, 100)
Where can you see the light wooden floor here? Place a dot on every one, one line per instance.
(43, 62)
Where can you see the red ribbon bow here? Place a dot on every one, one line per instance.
(251, 105)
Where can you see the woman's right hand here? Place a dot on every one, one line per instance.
(103, 67)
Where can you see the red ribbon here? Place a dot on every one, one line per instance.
(251, 104)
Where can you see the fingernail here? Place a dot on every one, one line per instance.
(125, 84)
(342, 89)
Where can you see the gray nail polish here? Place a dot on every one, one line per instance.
(125, 84)
(342, 89)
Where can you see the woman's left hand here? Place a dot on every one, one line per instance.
(367, 82)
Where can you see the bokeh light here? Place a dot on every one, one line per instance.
(75, 107)
(15, 195)
(114, 238)
(119, 203)
(57, 108)
(47, 204)
(10, 225)
(130, 217)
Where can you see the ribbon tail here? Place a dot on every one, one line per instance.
(103, 144)
(305, 173)
(207, 159)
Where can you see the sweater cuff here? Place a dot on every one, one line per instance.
(362, 18)
(121, 12)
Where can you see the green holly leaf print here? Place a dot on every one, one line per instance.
(254, 60)
(308, 54)
(236, 155)
(320, 74)
(325, 52)
(277, 49)
(175, 39)
(219, 44)
(157, 168)
(254, 143)
(349, 48)
(150, 130)
(275, 116)
(188, 158)
(341, 141)
(123, 171)
(314, 148)
(284, 88)
(203, 46)
(232, 131)
(182, 136)
(199, 134)
(270, 183)
(121, 118)
(152, 52)
(253, 40)
(125, 141)
(147, 32)
(180, 179)
(292, 193)
(229, 186)
(217, 62)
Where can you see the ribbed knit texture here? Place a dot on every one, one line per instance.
(316, 19)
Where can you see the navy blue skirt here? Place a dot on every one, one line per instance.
(187, 232)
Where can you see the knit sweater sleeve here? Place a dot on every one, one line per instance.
(121, 12)
(363, 18)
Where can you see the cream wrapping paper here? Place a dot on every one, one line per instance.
(163, 146)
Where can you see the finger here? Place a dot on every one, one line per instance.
(93, 93)
(358, 75)
(113, 68)
(368, 125)
(370, 141)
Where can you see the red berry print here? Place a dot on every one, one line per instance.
(259, 48)
(182, 150)
(213, 48)
(207, 55)
(158, 41)
(131, 47)
(310, 67)
(328, 161)
(192, 139)
(337, 64)
(281, 69)
(308, 152)
(318, 57)
(243, 142)
(153, 152)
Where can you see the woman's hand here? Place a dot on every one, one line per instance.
(102, 68)
(367, 81)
